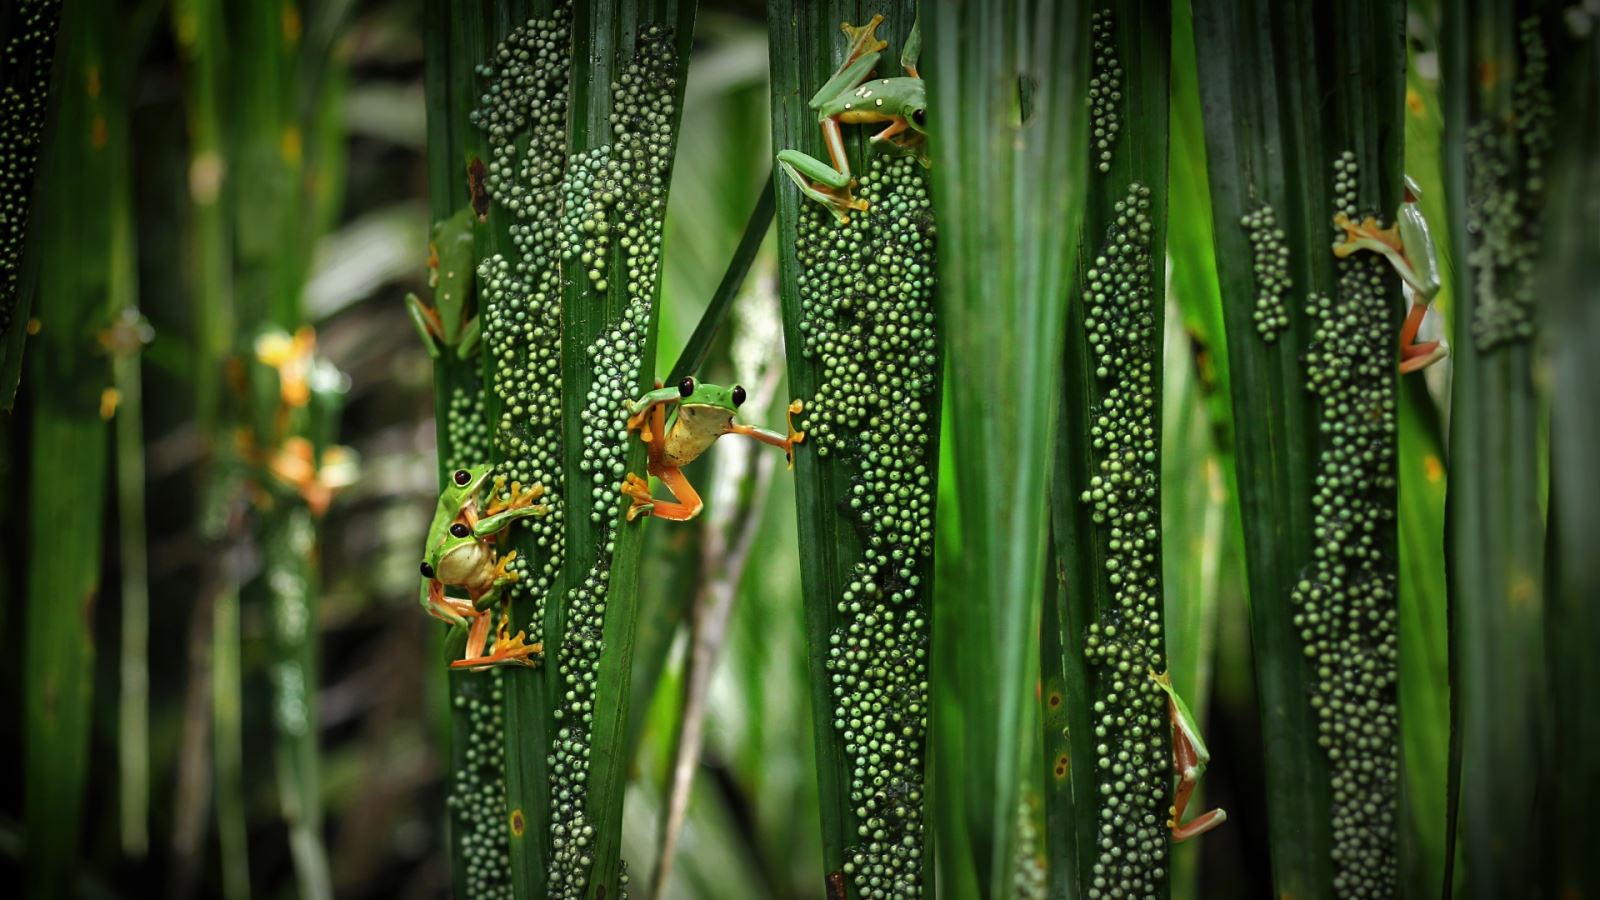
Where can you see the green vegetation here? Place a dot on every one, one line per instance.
(1108, 499)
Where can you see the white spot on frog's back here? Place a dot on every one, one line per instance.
(694, 429)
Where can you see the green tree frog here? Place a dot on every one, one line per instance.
(851, 97)
(459, 552)
(451, 265)
(1189, 758)
(1408, 245)
(704, 413)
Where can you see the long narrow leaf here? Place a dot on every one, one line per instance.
(1302, 121)
(1106, 507)
(1007, 89)
(1497, 117)
(456, 42)
(863, 359)
(1572, 623)
(87, 162)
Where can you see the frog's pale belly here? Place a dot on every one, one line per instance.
(470, 566)
(695, 429)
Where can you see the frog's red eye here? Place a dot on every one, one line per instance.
(738, 394)
(462, 476)
(427, 571)
(460, 530)
(686, 386)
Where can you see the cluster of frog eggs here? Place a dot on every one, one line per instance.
(1505, 197)
(634, 172)
(632, 186)
(477, 799)
(1346, 600)
(526, 98)
(285, 566)
(1133, 767)
(28, 52)
(1105, 88)
(590, 192)
(1269, 247)
(1030, 878)
(866, 290)
(468, 434)
(523, 113)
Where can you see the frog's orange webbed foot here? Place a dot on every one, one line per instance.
(519, 498)
(508, 651)
(1365, 235)
(639, 489)
(503, 574)
(795, 437)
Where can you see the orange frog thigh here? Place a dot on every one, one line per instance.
(685, 504)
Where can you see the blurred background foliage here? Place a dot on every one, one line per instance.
(328, 228)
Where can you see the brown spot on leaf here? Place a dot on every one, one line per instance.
(1055, 700)
(836, 886)
(1063, 765)
(50, 693)
(518, 823)
(477, 190)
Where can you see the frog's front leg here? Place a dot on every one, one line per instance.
(655, 437)
(775, 439)
(1424, 284)
(501, 513)
(503, 576)
(651, 408)
(471, 335)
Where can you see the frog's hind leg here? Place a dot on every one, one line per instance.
(1185, 763)
(1415, 357)
(656, 439)
(1200, 824)
(477, 640)
(685, 503)
(445, 608)
(508, 650)
(821, 182)
(639, 490)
